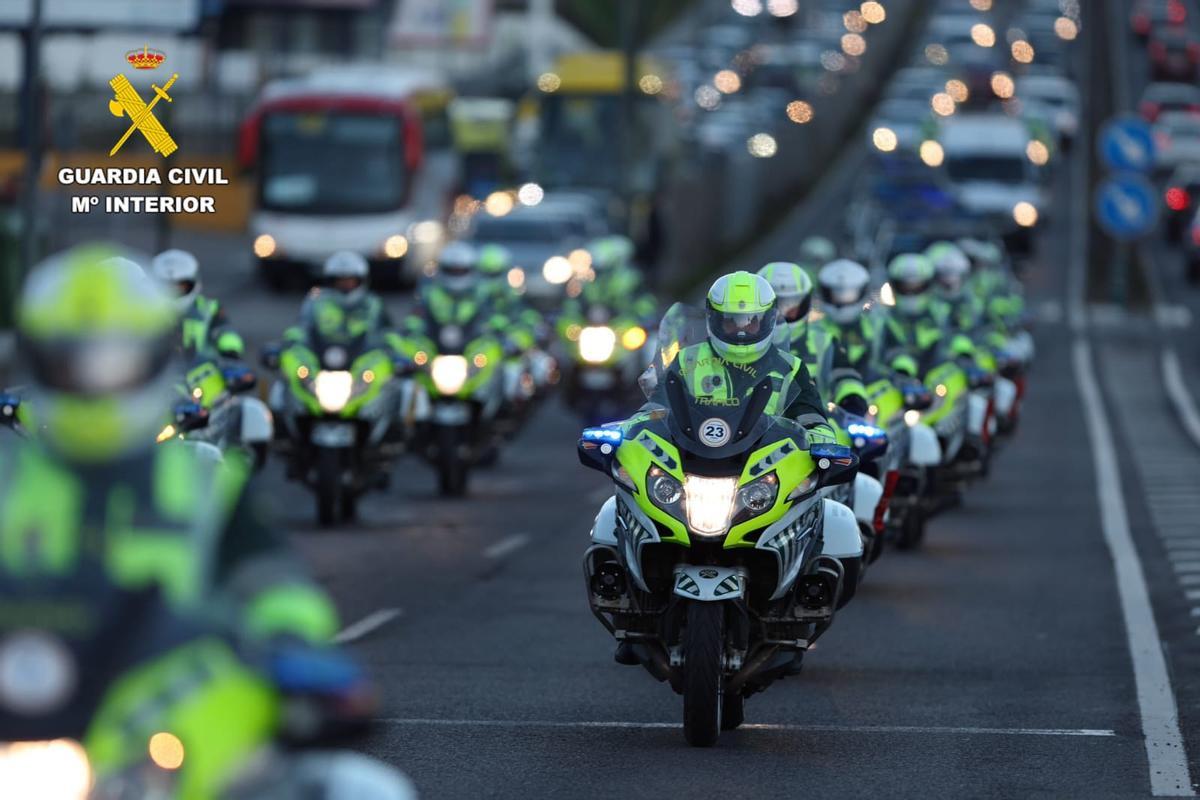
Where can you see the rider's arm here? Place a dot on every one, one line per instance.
(275, 595)
(806, 408)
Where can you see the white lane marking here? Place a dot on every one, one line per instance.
(506, 545)
(1192, 594)
(1195, 612)
(584, 724)
(1181, 398)
(369, 623)
(1169, 773)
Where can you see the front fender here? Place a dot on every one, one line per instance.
(709, 584)
(604, 528)
(257, 424)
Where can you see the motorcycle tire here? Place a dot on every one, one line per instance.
(912, 530)
(452, 470)
(703, 681)
(733, 711)
(329, 486)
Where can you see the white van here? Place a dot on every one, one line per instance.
(992, 176)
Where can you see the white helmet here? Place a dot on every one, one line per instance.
(843, 285)
(458, 267)
(179, 272)
(951, 266)
(347, 272)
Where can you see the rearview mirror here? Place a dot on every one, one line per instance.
(269, 357)
(239, 379)
(597, 447)
(190, 416)
(837, 463)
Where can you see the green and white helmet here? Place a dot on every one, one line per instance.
(817, 250)
(458, 267)
(740, 311)
(495, 260)
(984, 253)
(911, 276)
(844, 285)
(97, 335)
(611, 253)
(951, 267)
(793, 295)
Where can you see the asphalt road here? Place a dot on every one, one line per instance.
(992, 663)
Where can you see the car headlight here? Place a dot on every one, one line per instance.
(264, 245)
(333, 389)
(709, 504)
(557, 270)
(449, 373)
(57, 768)
(596, 343)
(1025, 214)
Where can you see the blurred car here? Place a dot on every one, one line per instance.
(1061, 96)
(1180, 196)
(1159, 98)
(1174, 54)
(1148, 14)
(540, 238)
(992, 178)
(1191, 249)
(1176, 139)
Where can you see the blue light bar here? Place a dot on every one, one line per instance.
(864, 430)
(610, 435)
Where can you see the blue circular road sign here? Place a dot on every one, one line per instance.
(1126, 143)
(1127, 206)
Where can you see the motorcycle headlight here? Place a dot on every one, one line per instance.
(596, 344)
(664, 489)
(709, 504)
(634, 338)
(449, 373)
(333, 388)
(756, 497)
(57, 768)
(804, 488)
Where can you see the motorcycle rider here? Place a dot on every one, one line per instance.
(816, 345)
(616, 283)
(94, 510)
(742, 312)
(913, 336)
(455, 293)
(844, 287)
(344, 304)
(495, 262)
(815, 251)
(204, 326)
(958, 307)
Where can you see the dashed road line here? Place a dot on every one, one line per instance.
(506, 546)
(1181, 398)
(764, 727)
(366, 625)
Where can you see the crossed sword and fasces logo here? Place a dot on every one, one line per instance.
(141, 114)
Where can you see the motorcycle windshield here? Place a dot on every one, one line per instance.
(681, 327)
(723, 431)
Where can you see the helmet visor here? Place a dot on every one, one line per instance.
(840, 295)
(99, 365)
(909, 287)
(743, 328)
(794, 309)
(346, 283)
(184, 288)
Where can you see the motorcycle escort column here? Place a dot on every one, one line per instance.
(719, 559)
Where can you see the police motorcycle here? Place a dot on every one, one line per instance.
(605, 351)
(718, 560)
(216, 406)
(118, 694)
(13, 421)
(465, 393)
(341, 415)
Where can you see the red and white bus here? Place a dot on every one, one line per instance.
(350, 158)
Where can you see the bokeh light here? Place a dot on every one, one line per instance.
(549, 82)
(981, 5)
(498, 204)
(942, 104)
(1066, 29)
(783, 8)
(727, 81)
(873, 12)
(957, 90)
(1022, 52)
(650, 84)
(854, 22)
(1002, 85)
(747, 8)
(854, 44)
(936, 54)
(983, 35)
(1037, 152)
(932, 153)
(884, 140)
(762, 145)
(800, 112)
(707, 97)
(530, 194)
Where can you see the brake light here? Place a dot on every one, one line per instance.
(1141, 24)
(1149, 111)
(1176, 12)
(1177, 198)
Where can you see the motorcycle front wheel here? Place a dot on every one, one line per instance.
(703, 680)
(452, 469)
(329, 485)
